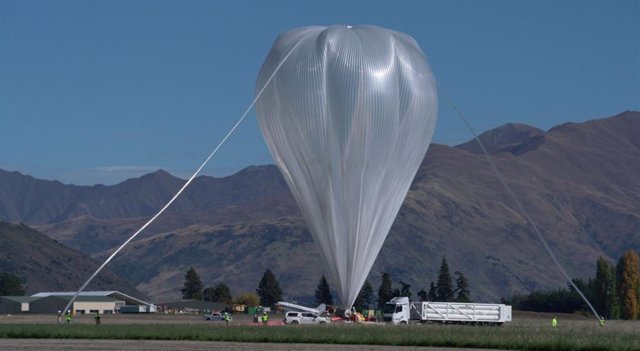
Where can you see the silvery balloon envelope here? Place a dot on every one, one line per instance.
(348, 119)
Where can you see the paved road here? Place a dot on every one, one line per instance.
(160, 345)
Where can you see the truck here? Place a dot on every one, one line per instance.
(400, 311)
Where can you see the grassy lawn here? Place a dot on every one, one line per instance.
(570, 336)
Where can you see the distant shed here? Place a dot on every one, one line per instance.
(124, 300)
(15, 304)
(82, 305)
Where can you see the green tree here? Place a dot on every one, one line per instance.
(405, 289)
(323, 292)
(247, 299)
(462, 288)
(385, 292)
(605, 289)
(219, 293)
(364, 301)
(423, 295)
(628, 278)
(192, 289)
(433, 293)
(269, 289)
(11, 285)
(444, 287)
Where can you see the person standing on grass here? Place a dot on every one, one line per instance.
(67, 316)
(59, 317)
(227, 318)
(554, 321)
(265, 319)
(97, 318)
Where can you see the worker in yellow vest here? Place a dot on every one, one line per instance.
(554, 321)
(67, 316)
(265, 319)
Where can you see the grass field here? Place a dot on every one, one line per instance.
(524, 334)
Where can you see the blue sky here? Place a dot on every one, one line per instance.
(100, 91)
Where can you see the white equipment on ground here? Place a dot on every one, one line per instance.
(400, 311)
(294, 307)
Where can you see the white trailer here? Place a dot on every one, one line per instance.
(400, 311)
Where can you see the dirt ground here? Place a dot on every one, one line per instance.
(159, 345)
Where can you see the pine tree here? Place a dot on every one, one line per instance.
(423, 295)
(364, 301)
(10, 285)
(628, 278)
(385, 293)
(323, 292)
(462, 288)
(405, 289)
(219, 293)
(605, 289)
(433, 293)
(269, 289)
(444, 287)
(192, 289)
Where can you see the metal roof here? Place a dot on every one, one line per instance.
(79, 299)
(19, 299)
(130, 300)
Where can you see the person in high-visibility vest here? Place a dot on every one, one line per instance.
(601, 321)
(265, 319)
(97, 318)
(227, 318)
(554, 321)
(67, 316)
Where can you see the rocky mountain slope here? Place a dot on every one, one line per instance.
(578, 181)
(47, 265)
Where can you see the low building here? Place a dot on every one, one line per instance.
(82, 304)
(110, 301)
(15, 304)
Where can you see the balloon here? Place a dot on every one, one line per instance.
(348, 119)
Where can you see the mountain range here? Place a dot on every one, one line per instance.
(579, 182)
(47, 265)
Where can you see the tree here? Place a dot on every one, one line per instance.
(462, 288)
(424, 296)
(269, 289)
(444, 287)
(628, 278)
(323, 292)
(405, 289)
(11, 285)
(219, 293)
(385, 292)
(247, 299)
(433, 294)
(192, 289)
(364, 301)
(605, 289)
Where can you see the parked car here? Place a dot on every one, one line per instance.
(305, 318)
(214, 317)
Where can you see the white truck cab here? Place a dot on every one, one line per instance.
(397, 310)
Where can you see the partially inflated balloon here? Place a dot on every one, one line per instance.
(348, 118)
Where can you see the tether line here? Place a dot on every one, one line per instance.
(518, 203)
